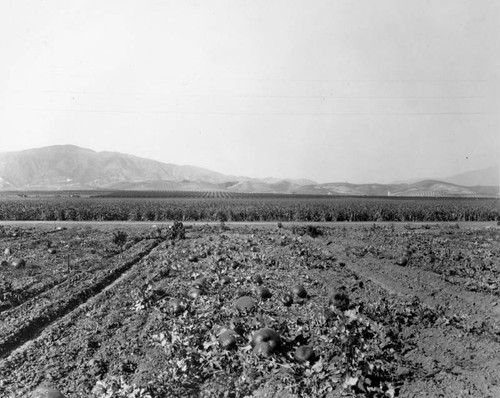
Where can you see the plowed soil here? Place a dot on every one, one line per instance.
(434, 289)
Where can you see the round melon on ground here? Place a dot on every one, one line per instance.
(267, 335)
(228, 339)
(263, 349)
(176, 307)
(402, 261)
(195, 293)
(304, 353)
(18, 263)
(245, 304)
(299, 291)
(199, 282)
(47, 392)
(263, 292)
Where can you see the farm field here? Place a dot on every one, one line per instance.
(409, 310)
(188, 207)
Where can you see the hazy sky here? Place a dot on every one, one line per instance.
(333, 90)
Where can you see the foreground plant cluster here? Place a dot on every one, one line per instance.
(207, 325)
(274, 311)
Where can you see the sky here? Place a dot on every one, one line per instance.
(330, 90)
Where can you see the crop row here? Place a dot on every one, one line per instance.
(345, 209)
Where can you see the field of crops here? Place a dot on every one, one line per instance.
(246, 311)
(248, 208)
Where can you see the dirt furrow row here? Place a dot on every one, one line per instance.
(32, 292)
(416, 333)
(18, 329)
(431, 288)
(74, 345)
(459, 358)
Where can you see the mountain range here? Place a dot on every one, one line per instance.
(68, 167)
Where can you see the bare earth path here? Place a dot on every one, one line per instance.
(142, 224)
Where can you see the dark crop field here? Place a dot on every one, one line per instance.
(221, 206)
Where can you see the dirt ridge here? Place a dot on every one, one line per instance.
(454, 357)
(38, 324)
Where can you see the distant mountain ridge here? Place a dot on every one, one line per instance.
(489, 177)
(484, 177)
(69, 167)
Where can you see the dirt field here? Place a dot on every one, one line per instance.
(408, 310)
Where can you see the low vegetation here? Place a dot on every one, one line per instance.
(243, 311)
(251, 208)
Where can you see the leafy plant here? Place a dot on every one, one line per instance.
(313, 231)
(177, 231)
(120, 239)
(116, 387)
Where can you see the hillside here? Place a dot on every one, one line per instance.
(68, 167)
(72, 167)
(485, 177)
